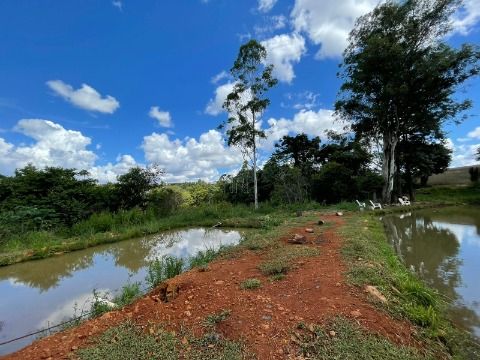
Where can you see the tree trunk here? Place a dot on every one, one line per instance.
(255, 189)
(411, 192)
(390, 141)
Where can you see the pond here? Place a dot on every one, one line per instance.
(38, 294)
(443, 247)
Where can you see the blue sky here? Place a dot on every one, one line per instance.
(105, 85)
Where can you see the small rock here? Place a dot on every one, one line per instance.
(309, 230)
(298, 239)
(339, 213)
(321, 222)
(219, 282)
(266, 317)
(356, 313)
(74, 348)
(188, 313)
(372, 290)
(332, 333)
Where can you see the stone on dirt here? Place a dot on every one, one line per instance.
(309, 230)
(167, 292)
(339, 213)
(298, 239)
(372, 290)
(321, 222)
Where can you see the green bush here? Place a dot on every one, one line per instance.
(251, 284)
(163, 269)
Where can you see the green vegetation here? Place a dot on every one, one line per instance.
(281, 259)
(163, 269)
(212, 320)
(344, 340)
(372, 261)
(129, 341)
(251, 284)
(129, 293)
(450, 195)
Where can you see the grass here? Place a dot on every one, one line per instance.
(131, 342)
(344, 340)
(163, 269)
(107, 228)
(251, 284)
(451, 195)
(213, 320)
(372, 261)
(281, 259)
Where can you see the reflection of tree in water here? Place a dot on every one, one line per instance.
(46, 274)
(433, 252)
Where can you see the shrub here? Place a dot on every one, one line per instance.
(251, 284)
(129, 293)
(162, 269)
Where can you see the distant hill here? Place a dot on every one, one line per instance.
(453, 176)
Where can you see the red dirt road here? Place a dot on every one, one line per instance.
(313, 292)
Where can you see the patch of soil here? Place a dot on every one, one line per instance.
(313, 292)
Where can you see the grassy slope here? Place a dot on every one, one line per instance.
(109, 228)
(372, 261)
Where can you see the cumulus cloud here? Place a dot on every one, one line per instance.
(465, 19)
(200, 159)
(53, 146)
(312, 123)
(463, 154)
(328, 23)
(214, 106)
(219, 77)
(163, 117)
(270, 24)
(266, 5)
(86, 97)
(475, 133)
(282, 51)
(110, 171)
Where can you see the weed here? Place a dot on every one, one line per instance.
(251, 284)
(130, 292)
(212, 320)
(277, 277)
(274, 267)
(203, 258)
(349, 342)
(99, 304)
(281, 259)
(162, 269)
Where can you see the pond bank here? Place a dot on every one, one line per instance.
(307, 294)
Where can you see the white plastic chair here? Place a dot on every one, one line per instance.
(375, 205)
(404, 202)
(361, 205)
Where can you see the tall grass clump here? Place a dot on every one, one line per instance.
(129, 293)
(163, 269)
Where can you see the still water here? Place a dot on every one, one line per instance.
(443, 247)
(38, 294)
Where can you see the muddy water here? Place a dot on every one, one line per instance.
(38, 294)
(443, 247)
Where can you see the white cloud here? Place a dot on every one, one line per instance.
(118, 4)
(219, 77)
(312, 123)
(462, 155)
(86, 97)
(53, 146)
(271, 24)
(266, 5)
(328, 23)
(191, 159)
(465, 19)
(109, 172)
(475, 133)
(282, 51)
(163, 117)
(214, 106)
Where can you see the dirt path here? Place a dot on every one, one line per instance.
(264, 318)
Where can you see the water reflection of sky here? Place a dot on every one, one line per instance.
(423, 241)
(41, 293)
